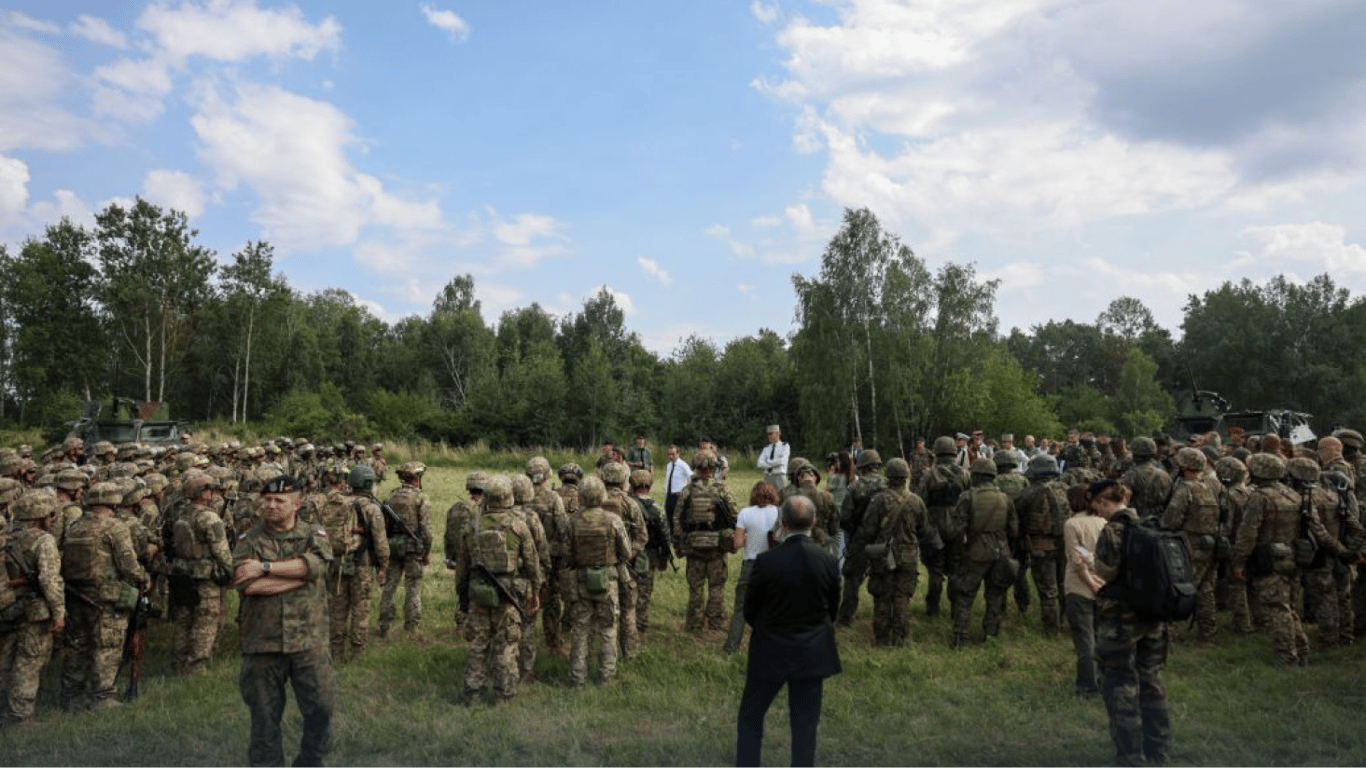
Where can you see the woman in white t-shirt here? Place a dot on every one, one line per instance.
(751, 532)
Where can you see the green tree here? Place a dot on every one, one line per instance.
(1141, 405)
(253, 293)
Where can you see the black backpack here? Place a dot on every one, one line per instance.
(1155, 578)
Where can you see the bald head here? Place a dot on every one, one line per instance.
(799, 513)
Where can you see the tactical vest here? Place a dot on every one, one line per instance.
(1048, 510)
(338, 518)
(591, 539)
(496, 546)
(569, 494)
(1202, 517)
(896, 529)
(700, 514)
(988, 516)
(406, 502)
(85, 555)
(944, 486)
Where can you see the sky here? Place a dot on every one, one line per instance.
(691, 157)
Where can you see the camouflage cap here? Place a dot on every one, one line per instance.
(36, 504)
(476, 480)
(10, 489)
(592, 492)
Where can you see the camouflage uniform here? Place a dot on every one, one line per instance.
(1327, 581)
(704, 532)
(201, 554)
(596, 544)
(1232, 497)
(1150, 483)
(940, 488)
(349, 584)
(549, 509)
(618, 502)
(31, 554)
(407, 558)
(895, 525)
(867, 485)
(457, 517)
(1014, 484)
(284, 637)
(1194, 511)
(102, 571)
(1271, 522)
(1043, 510)
(984, 521)
(494, 626)
(1131, 653)
(522, 495)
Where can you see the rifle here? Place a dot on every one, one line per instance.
(392, 515)
(503, 589)
(135, 646)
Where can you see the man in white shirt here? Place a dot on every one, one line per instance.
(677, 473)
(773, 458)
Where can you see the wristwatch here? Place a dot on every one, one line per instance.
(265, 567)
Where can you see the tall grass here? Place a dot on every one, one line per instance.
(1007, 702)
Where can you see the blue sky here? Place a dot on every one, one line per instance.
(692, 156)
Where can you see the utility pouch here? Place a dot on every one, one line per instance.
(484, 595)
(596, 580)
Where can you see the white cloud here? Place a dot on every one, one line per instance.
(652, 268)
(764, 12)
(745, 288)
(175, 189)
(766, 222)
(14, 179)
(237, 30)
(1143, 281)
(97, 30)
(527, 238)
(1016, 276)
(131, 89)
(291, 152)
(454, 26)
(33, 79)
(1324, 246)
(20, 20)
(622, 298)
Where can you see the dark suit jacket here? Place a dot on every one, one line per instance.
(791, 601)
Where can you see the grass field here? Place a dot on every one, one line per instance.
(1004, 703)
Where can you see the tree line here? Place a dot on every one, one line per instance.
(883, 347)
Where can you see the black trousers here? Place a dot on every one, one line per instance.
(804, 701)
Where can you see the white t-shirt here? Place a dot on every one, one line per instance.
(757, 521)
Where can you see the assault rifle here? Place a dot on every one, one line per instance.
(504, 590)
(392, 515)
(135, 645)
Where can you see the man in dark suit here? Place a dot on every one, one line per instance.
(793, 596)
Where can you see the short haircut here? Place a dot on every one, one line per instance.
(799, 513)
(763, 494)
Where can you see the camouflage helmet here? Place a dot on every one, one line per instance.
(105, 494)
(70, 480)
(592, 492)
(803, 465)
(702, 459)
(538, 469)
(897, 468)
(127, 451)
(984, 467)
(1143, 447)
(197, 484)
(945, 446)
(1350, 438)
(869, 459)
(134, 491)
(1004, 459)
(1191, 458)
(613, 473)
(794, 465)
(362, 477)
(1303, 469)
(10, 489)
(641, 478)
(11, 465)
(104, 448)
(476, 480)
(156, 482)
(498, 492)
(1330, 449)
(522, 492)
(1266, 466)
(72, 443)
(1042, 465)
(35, 505)
(570, 473)
(1230, 470)
(411, 469)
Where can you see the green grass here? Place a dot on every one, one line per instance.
(1008, 702)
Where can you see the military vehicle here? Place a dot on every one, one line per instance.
(145, 423)
(1205, 411)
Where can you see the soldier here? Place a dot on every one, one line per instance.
(638, 456)
(804, 479)
(1263, 553)
(522, 495)
(893, 528)
(103, 578)
(1232, 475)
(498, 576)
(70, 487)
(366, 558)
(1149, 481)
(280, 564)
(409, 531)
(33, 566)
(549, 509)
(940, 489)
(377, 462)
(620, 503)
(856, 500)
(1194, 511)
(1326, 579)
(200, 568)
(1014, 484)
(984, 522)
(1043, 511)
(920, 460)
(596, 546)
(657, 546)
(570, 475)
(457, 517)
(704, 532)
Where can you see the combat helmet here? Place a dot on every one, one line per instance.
(1350, 438)
(1230, 470)
(362, 478)
(897, 468)
(35, 505)
(869, 459)
(1143, 447)
(984, 467)
(1004, 460)
(70, 480)
(570, 474)
(104, 494)
(641, 478)
(591, 492)
(498, 492)
(945, 446)
(412, 469)
(703, 458)
(1304, 470)
(538, 469)
(1042, 465)
(10, 489)
(1190, 458)
(1266, 466)
(613, 473)
(476, 480)
(803, 466)
(522, 492)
